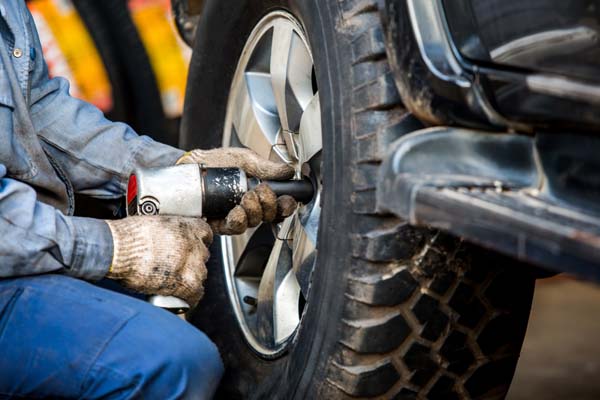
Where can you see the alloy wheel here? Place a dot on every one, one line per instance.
(274, 109)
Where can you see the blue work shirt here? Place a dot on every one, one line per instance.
(52, 146)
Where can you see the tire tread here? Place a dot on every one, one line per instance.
(423, 317)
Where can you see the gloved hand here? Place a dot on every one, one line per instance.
(258, 205)
(161, 255)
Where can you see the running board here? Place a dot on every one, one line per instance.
(534, 198)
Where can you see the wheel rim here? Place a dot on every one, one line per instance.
(274, 109)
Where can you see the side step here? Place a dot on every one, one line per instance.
(534, 198)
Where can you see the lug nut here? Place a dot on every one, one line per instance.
(251, 301)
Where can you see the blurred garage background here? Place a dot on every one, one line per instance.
(126, 57)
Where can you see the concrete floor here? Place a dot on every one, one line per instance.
(561, 353)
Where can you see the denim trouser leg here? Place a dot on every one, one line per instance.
(62, 337)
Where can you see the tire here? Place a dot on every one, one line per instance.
(394, 311)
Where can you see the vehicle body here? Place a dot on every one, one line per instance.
(526, 68)
(442, 119)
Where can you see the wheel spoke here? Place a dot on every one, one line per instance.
(304, 245)
(304, 255)
(280, 57)
(255, 124)
(264, 314)
(310, 137)
(269, 283)
(300, 73)
(286, 316)
(281, 47)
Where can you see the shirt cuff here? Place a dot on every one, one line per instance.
(93, 250)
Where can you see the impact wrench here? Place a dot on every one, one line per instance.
(192, 190)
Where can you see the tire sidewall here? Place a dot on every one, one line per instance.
(300, 372)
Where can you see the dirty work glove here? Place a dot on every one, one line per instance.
(258, 205)
(161, 255)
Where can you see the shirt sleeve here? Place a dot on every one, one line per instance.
(97, 154)
(37, 238)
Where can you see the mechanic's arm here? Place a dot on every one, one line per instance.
(97, 154)
(37, 238)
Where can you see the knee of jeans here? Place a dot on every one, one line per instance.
(195, 360)
(196, 353)
(164, 357)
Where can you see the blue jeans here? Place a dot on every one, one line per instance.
(64, 338)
